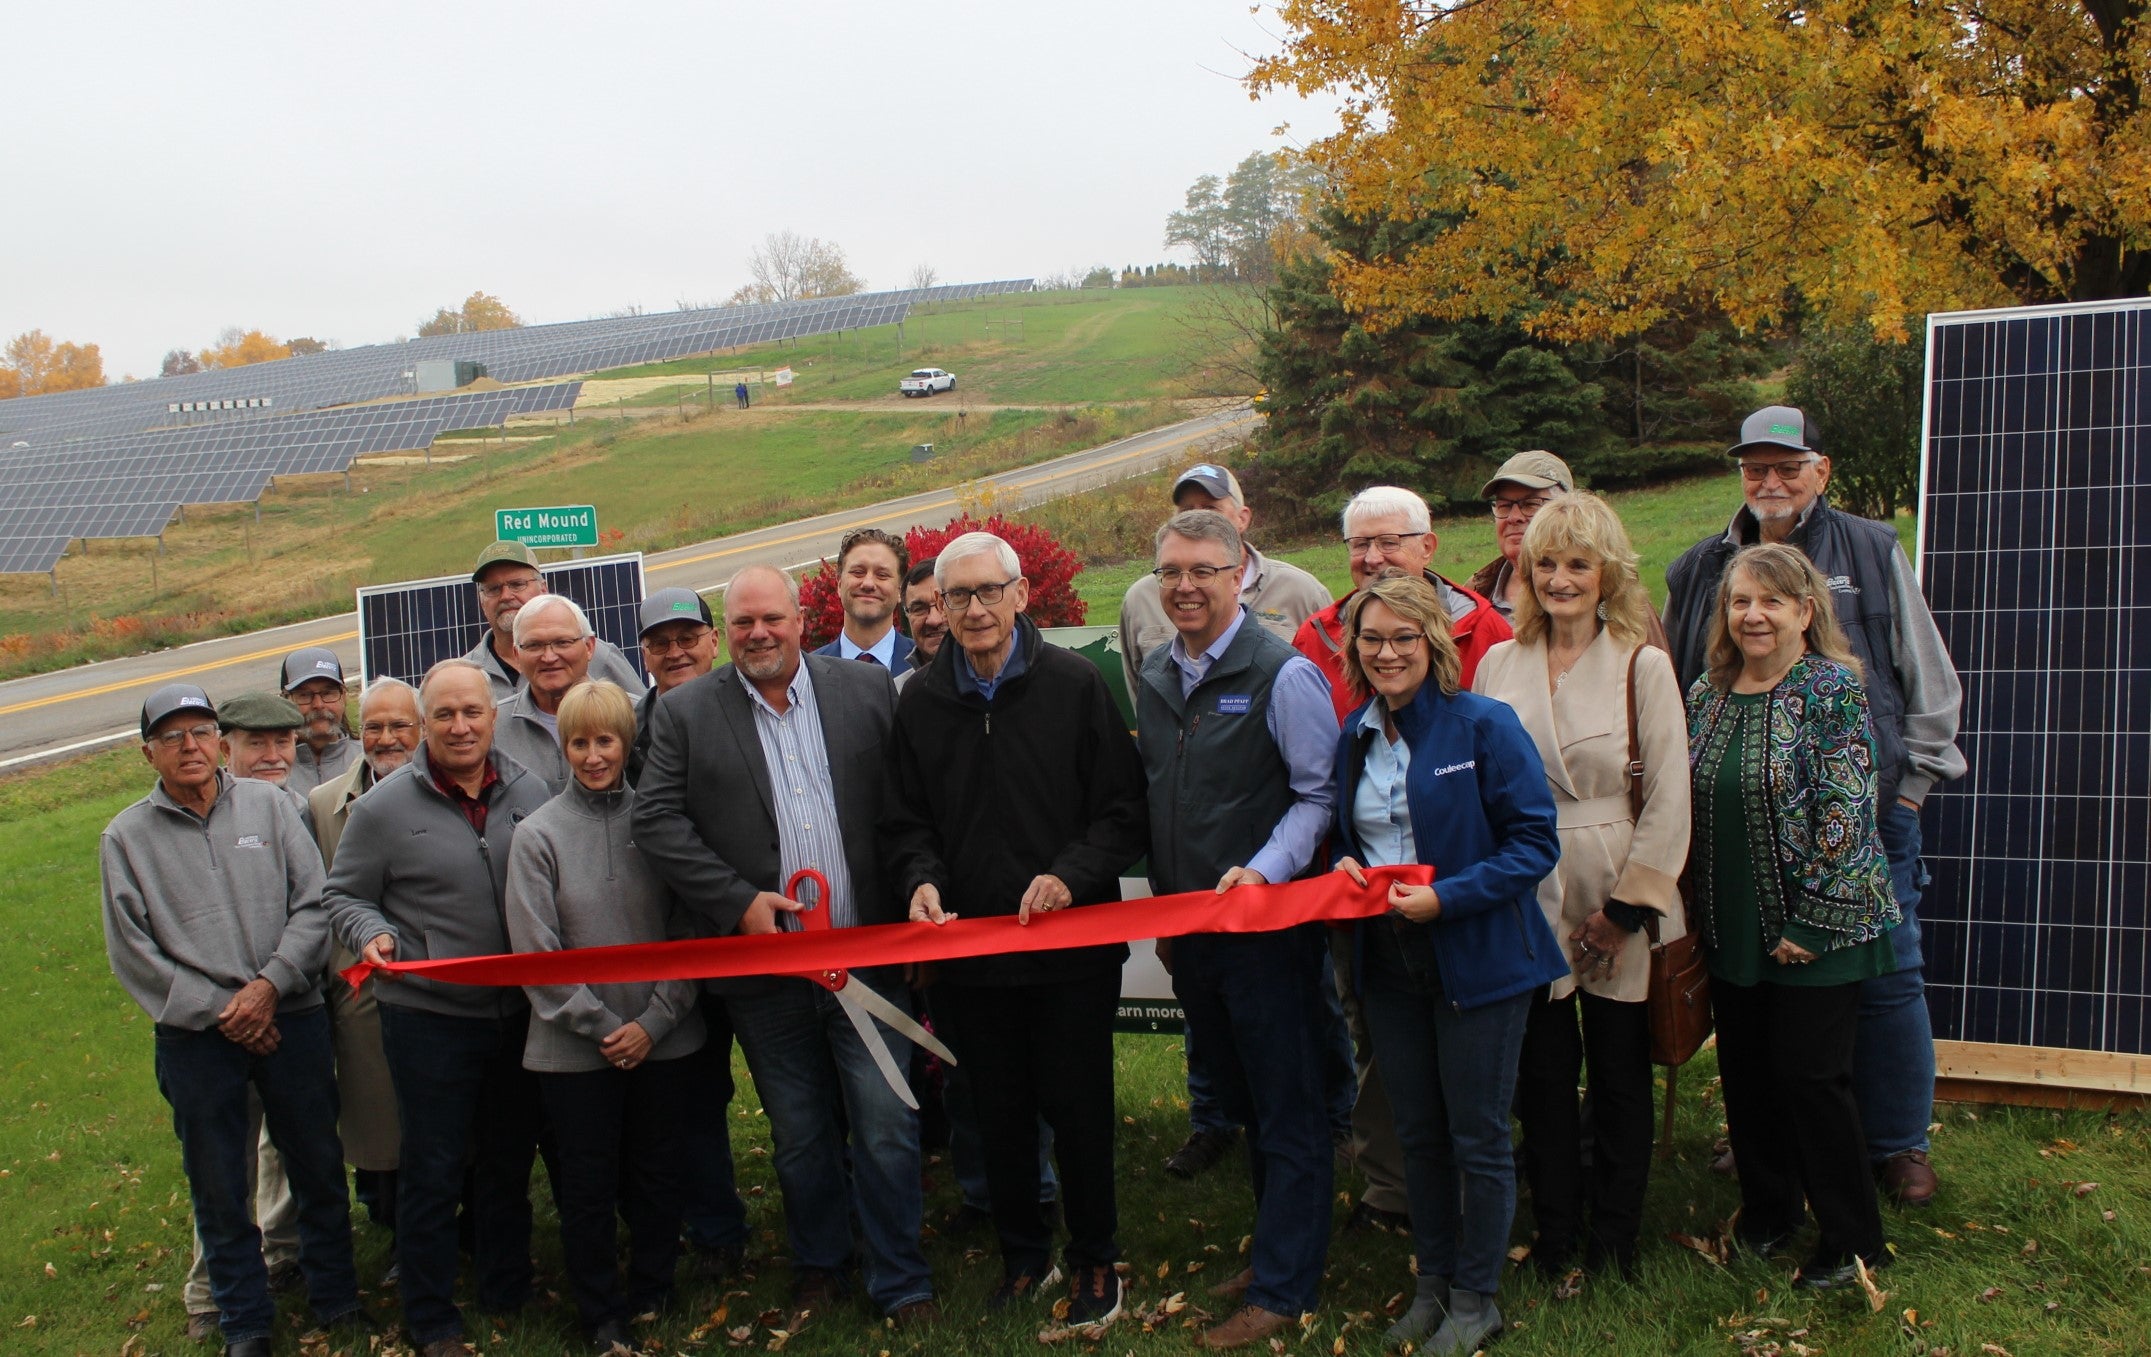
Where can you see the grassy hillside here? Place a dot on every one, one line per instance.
(665, 470)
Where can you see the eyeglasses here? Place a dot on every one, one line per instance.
(521, 586)
(1786, 472)
(658, 645)
(205, 733)
(1171, 575)
(372, 729)
(550, 647)
(1511, 508)
(1389, 543)
(1403, 643)
(325, 697)
(959, 599)
(921, 607)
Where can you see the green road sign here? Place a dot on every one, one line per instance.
(569, 525)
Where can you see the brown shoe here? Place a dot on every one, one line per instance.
(1235, 1287)
(201, 1326)
(1722, 1164)
(1248, 1324)
(444, 1347)
(814, 1292)
(1909, 1179)
(919, 1314)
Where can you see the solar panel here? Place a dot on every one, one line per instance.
(405, 629)
(2035, 551)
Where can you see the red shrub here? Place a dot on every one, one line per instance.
(1050, 567)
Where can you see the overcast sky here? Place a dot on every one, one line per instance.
(342, 171)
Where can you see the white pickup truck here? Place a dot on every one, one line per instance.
(926, 381)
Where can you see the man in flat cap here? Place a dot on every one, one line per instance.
(507, 577)
(313, 681)
(213, 924)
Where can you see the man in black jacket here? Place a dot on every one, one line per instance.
(1017, 790)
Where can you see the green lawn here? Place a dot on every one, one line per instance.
(94, 1242)
(1043, 347)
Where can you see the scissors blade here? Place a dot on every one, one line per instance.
(896, 1018)
(870, 1035)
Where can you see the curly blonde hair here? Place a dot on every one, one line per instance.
(1413, 599)
(1584, 523)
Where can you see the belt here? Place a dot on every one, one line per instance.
(1599, 810)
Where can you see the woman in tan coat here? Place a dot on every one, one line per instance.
(1580, 645)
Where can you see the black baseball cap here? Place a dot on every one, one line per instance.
(313, 662)
(673, 605)
(1776, 426)
(172, 699)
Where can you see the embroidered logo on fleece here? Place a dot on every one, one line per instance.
(248, 841)
(1234, 704)
(1449, 768)
(1842, 584)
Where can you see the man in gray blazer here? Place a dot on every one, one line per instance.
(758, 770)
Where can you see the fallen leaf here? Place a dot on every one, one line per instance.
(2085, 1189)
(1994, 1350)
(1876, 1296)
(1990, 1295)
(1520, 1252)
(51, 1271)
(2031, 1246)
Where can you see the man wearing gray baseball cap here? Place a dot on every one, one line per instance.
(1914, 699)
(679, 642)
(507, 577)
(313, 681)
(213, 925)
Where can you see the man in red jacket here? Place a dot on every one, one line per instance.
(1388, 528)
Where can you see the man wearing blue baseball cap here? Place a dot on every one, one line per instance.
(213, 924)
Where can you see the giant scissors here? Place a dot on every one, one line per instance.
(857, 998)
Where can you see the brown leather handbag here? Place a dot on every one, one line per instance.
(1679, 1002)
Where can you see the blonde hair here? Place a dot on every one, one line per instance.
(594, 706)
(1584, 523)
(1781, 570)
(1413, 599)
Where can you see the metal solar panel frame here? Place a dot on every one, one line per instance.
(2034, 553)
(407, 628)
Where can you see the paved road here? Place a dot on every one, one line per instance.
(50, 716)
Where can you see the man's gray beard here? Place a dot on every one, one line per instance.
(759, 669)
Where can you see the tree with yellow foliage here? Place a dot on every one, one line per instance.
(237, 348)
(33, 364)
(480, 311)
(1609, 163)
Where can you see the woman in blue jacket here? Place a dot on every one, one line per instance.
(1429, 774)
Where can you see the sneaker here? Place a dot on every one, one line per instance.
(1094, 1296)
(1830, 1274)
(1022, 1286)
(1200, 1152)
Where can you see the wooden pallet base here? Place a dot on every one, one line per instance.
(2040, 1076)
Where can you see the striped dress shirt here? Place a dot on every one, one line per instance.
(803, 794)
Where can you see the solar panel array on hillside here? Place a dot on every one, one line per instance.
(116, 461)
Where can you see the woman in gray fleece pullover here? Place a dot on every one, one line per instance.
(607, 1057)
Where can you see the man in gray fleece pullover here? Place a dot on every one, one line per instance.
(421, 873)
(213, 924)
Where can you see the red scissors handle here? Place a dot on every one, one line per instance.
(815, 918)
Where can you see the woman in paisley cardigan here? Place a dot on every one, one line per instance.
(1792, 892)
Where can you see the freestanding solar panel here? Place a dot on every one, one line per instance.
(405, 629)
(2035, 552)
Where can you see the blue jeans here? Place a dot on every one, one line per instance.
(806, 1058)
(713, 1213)
(1451, 1077)
(1340, 1078)
(463, 1100)
(204, 1076)
(1248, 998)
(1893, 1054)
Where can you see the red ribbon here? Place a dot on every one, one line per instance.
(1330, 898)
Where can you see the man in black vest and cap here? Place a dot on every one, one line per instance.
(1913, 701)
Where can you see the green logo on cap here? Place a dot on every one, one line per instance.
(1792, 429)
(683, 607)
